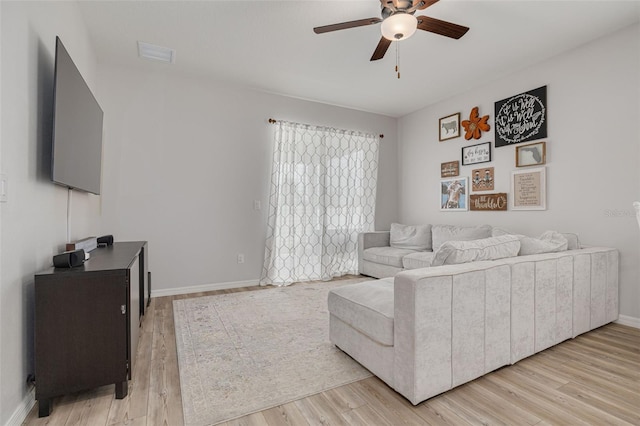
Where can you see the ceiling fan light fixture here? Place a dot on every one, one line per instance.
(399, 26)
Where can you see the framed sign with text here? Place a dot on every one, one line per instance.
(449, 169)
(474, 154)
(528, 189)
(521, 118)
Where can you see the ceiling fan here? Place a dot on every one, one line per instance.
(399, 23)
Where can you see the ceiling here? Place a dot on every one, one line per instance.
(270, 45)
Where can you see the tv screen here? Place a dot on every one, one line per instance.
(77, 128)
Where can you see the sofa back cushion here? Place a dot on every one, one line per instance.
(492, 248)
(412, 237)
(548, 242)
(443, 233)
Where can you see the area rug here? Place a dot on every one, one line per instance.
(245, 352)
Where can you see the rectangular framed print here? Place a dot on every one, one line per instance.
(449, 127)
(533, 154)
(528, 189)
(454, 194)
(474, 154)
(449, 169)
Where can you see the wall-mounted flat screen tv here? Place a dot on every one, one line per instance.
(77, 128)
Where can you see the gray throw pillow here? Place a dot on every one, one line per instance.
(548, 242)
(492, 248)
(413, 237)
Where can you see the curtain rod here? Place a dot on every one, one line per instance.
(273, 121)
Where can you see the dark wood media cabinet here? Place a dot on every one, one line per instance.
(87, 322)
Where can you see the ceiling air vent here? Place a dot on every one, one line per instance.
(156, 53)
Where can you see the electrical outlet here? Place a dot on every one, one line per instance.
(257, 205)
(241, 258)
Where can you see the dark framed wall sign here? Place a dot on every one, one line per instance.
(521, 118)
(449, 169)
(474, 154)
(488, 202)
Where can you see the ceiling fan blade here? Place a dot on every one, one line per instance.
(381, 49)
(444, 28)
(425, 3)
(345, 25)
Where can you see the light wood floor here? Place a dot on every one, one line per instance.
(593, 379)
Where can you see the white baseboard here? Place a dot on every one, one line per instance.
(204, 287)
(630, 321)
(22, 411)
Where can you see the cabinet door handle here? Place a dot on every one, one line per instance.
(123, 309)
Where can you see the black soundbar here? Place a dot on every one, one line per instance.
(69, 259)
(105, 240)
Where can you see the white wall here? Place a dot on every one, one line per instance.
(593, 151)
(185, 158)
(33, 221)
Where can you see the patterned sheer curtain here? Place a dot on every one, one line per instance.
(323, 193)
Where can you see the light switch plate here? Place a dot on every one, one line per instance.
(4, 188)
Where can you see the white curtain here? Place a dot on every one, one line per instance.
(323, 193)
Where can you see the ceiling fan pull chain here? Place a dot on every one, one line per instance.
(398, 58)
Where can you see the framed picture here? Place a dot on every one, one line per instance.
(534, 154)
(521, 118)
(454, 194)
(449, 169)
(474, 154)
(449, 127)
(488, 202)
(528, 189)
(482, 179)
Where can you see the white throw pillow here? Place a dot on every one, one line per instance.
(548, 242)
(414, 237)
(443, 233)
(492, 248)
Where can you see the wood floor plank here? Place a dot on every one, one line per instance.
(92, 411)
(434, 412)
(585, 355)
(504, 411)
(605, 402)
(62, 407)
(389, 405)
(364, 416)
(317, 411)
(585, 378)
(285, 415)
(523, 398)
(344, 399)
(579, 410)
(165, 401)
(255, 419)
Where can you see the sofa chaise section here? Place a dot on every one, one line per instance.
(454, 323)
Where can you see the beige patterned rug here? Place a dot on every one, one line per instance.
(245, 352)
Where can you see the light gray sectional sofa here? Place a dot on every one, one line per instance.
(383, 254)
(428, 330)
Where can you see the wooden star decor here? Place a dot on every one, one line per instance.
(475, 125)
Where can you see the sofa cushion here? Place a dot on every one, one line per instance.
(367, 307)
(421, 259)
(412, 237)
(573, 243)
(386, 255)
(443, 233)
(548, 242)
(492, 248)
